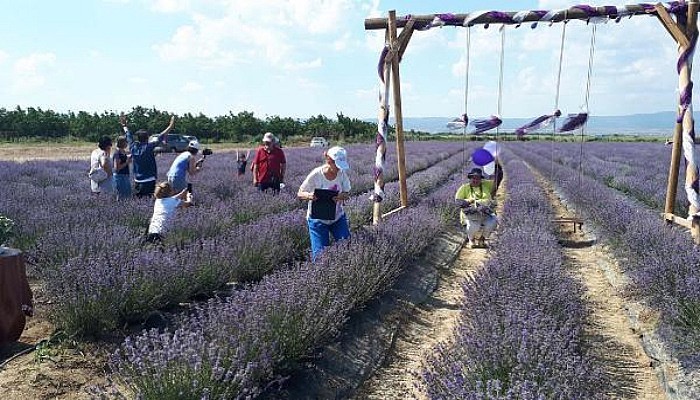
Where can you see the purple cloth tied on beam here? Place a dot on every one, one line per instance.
(499, 16)
(687, 53)
(589, 10)
(573, 122)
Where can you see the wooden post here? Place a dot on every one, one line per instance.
(396, 91)
(377, 206)
(672, 186)
(688, 123)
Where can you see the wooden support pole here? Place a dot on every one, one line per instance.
(672, 185)
(396, 91)
(688, 122)
(377, 206)
(671, 26)
(405, 37)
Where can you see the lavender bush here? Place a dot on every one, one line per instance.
(660, 260)
(520, 332)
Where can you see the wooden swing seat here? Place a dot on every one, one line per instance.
(577, 222)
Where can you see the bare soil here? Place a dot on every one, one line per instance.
(55, 369)
(610, 331)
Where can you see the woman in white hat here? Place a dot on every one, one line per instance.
(476, 202)
(326, 188)
(184, 165)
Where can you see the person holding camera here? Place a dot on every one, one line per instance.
(269, 165)
(143, 158)
(476, 202)
(164, 209)
(101, 167)
(184, 166)
(329, 180)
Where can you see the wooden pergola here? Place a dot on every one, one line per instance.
(678, 18)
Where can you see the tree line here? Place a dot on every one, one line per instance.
(37, 124)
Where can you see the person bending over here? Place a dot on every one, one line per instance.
(184, 166)
(164, 210)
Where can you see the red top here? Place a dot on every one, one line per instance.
(269, 164)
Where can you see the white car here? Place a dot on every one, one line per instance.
(318, 142)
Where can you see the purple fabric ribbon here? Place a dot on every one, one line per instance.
(537, 123)
(380, 65)
(483, 125)
(573, 122)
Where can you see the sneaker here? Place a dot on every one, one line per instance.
(471, 244)
(482, 243)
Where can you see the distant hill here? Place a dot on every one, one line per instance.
(654, 124)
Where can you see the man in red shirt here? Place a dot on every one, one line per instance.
(268, 165)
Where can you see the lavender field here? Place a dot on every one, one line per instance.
(242, 305)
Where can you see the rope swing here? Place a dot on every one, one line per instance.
(479, 125)
(547, 119)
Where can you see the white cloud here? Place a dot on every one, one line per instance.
(237, 31)
(170, 6)
(342, 42)
(3, 56)
(308, 84)
(191, 87)
(28, 70)
(292, 66)
(137, 80)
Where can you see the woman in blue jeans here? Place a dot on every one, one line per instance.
(333, 178)
(121, 174)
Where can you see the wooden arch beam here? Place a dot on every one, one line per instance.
(422, 21)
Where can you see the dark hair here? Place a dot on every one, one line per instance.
(105, 141)
(192, 150)
(142, 135)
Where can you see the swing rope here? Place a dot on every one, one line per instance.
(558, 90)
(466, 96)
(591, 53)
(499, 104)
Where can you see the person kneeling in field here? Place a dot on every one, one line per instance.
(164, 209)
(476, 203)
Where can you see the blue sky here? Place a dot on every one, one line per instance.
(307, 57)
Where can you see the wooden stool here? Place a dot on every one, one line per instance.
(15, 296)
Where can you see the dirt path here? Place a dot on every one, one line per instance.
(60, 370)
(430, 323)
(615, 339)
(610, 330)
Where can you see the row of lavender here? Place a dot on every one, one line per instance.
(660, 260)
(637, 169)
(520, 332)
(235, 347)
(50, 200)
(99, 291)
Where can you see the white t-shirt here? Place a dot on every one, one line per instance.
(98, 158)
(316, 180)
(163, 211)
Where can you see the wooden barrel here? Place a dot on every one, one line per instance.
(15, 295)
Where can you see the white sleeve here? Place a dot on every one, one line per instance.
(309, 183)
(345, 183)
